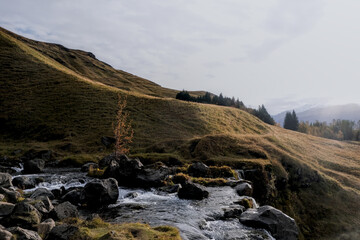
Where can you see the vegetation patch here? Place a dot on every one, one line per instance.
(209, 182)
(95, 172)
(77, 160)
(97, 229)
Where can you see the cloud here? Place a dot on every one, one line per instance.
(227, 46)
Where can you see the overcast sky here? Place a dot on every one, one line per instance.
(281, 53)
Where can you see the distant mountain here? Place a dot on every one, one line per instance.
(325, 114)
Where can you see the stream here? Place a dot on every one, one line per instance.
(196, 220)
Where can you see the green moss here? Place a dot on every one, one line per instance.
(96, 172)
(97, 229)
(180, 178)
(222, 172)
(210, 182)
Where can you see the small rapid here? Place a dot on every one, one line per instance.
(195, 219)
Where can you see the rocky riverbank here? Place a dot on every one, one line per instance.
(43, 203)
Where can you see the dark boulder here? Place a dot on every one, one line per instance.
(233, 212)
(73, 196)
(192, 191)
(64, 210)
(11, 195)
(151, 177)
(34, 166)
(123, 169)
(171, 189)
(5, 180)
(100, 193)
(6, 208)
(45, 227)
(244, 189)
(87, 166)
(126, 167)
(281, 226)
(24, 234)
(131, 195)
(42, 192)
(198, 169)
(43, 204)
(24, 215)
(23, 182)
(58, 192)
(63, 232)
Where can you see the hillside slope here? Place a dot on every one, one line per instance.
(51, 96)
(325, 114)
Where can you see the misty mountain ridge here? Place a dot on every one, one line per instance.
(324, 114)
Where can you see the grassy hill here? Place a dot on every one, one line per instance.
(51, 96)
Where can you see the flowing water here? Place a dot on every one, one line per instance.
(196, 220)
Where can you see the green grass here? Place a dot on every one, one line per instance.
(51, 96)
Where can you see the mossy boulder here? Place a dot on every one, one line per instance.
(24, 215)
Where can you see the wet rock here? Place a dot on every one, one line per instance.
(246, 202)
(43, 204)
(23, 182)
(174, 162)
(45, 227)
(281, 226)
(5, 180)
(11, 195)
(63, 232)
(244, 189)
(39, 180)
(5, 235)
(171, 189)
(86, 166)
(74, 196)
(107, 141)
(233, 212)
(42, 192)
(100, 193)
(150, 177)
(6, 209)
(198, 169)
(192, 191)
(24, 234)
(57, 192)
(122, 168)
(131, 195)
(24, 215)
(241, 174)
(64, 210)
(34, 166)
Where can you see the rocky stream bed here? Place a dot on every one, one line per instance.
(54, 194)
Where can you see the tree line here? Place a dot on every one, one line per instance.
(338, 129)
(211, 99)
(221, 100)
